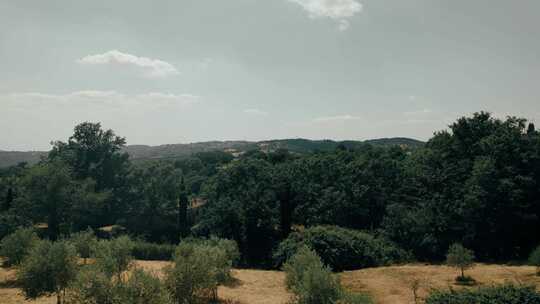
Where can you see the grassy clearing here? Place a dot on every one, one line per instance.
(387, 285)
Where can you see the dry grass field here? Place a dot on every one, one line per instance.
(387, 285)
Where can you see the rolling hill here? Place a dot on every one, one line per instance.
(297, 145)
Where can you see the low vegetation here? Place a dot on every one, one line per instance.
(534, 259)
(312, 282)
(16, 246)
(504, 294)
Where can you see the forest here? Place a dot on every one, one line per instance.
(476, 184)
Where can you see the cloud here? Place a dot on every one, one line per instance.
(338, 10)
(111, 99)
(255, 112)
(345, 117)
(152, 68)
(418, 112)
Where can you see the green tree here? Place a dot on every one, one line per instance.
(51, 195)
(196, 273)
(115, 256)
(144, 288)
(84, 242)
(460, 257)
(309, 280)
(48, 269)
(17, 245)
(534, 259)
(183, 203)
(96, 154)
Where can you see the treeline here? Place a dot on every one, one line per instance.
(474, 184)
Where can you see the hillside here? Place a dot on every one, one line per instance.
(298, 145)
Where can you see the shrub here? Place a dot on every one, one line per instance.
(309, 280)
(230, 247)
(460, 257)
(48, 269)
(144, 288)
(152, 251)
(92, 286)
(84, 241)
(16, 246)
(534, 259)
(197, 272)
(340, 248)
(504, 294)
(114, 257)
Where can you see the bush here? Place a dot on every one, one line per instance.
(48, 269)
(144, 288)
(461, 258)
(84, 242)
(114, 257)
(504, 294)
(230, 247)
(197, 272)
(16, 246)
(93, 286)
(340, 248)
(534, 259)
(309, 280)
(152, 251)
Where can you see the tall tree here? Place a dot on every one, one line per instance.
(183, 203)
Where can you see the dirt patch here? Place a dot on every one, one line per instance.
(391, 285)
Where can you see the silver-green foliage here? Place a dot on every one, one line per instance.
(196, 273)
(48, 269)
(534, 259)
(460, 257)
(16, 246)
(310, 280)
(114, 257)
(84, 242)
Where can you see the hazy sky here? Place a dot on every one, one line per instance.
(194, 70)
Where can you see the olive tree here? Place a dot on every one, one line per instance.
(84, 242)
(16, 246)
(197, 272)
(310, 280)
(114, 256)
(460, 257)
(48, 269)
(534, 259)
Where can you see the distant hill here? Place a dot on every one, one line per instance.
(297, 145)
(11, 158)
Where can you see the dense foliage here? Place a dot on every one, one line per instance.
(341, 249)
(505, 294)
(474, 184)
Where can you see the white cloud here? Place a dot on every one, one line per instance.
(255, 112)
(345, 117)
(96, 97)
(338, 10)
(153, 68)
(418, 112)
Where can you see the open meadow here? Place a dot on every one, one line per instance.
(386, 285)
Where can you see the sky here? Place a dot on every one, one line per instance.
(180, 71)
